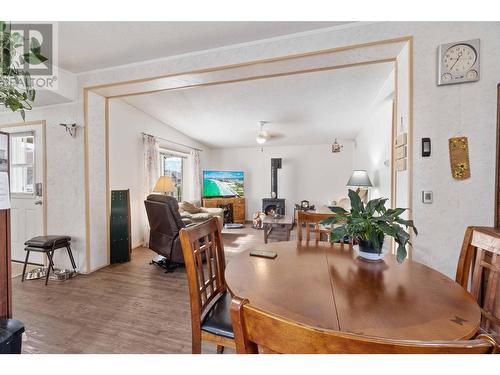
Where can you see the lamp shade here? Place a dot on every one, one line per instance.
(359, 178)
(164, 185)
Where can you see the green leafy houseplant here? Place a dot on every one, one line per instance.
(16, 88)
(369, 224)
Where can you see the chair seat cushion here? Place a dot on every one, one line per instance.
(201, 217)
(218, 319)
(47, 241)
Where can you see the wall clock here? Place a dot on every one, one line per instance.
(458, 62)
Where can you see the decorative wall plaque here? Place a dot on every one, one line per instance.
(459, 157)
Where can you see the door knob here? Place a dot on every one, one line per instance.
(38, 203)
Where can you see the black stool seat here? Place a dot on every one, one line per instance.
(47, 245)
(48, 241)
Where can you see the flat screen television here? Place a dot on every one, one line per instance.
(223, 184)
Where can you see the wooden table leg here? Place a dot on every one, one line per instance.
(268, 228)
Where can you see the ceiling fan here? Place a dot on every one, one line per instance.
(262, 135)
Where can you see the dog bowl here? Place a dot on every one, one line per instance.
(37, 273)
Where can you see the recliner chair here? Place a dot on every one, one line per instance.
(165, 223)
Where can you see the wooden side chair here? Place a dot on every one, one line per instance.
(311, 221)
(256, 330)
(204, 258)
(479, 267)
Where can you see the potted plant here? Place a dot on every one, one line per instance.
(368, 225)
(16, 87)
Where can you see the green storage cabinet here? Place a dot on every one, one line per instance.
(120, 236)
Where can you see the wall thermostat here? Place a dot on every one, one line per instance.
(427, 197)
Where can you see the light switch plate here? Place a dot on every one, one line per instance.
(427, 197)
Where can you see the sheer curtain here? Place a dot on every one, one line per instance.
(196, 175)
(151, 153)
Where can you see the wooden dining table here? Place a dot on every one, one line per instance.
(329, 287)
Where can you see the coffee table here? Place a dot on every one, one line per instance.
(279, 226)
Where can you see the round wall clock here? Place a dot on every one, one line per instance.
(458, 62)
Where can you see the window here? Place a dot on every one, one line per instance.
(173, 165)
(22, 154)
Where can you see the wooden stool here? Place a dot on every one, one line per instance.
(47, 245)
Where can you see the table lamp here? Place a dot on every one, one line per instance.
(164, 185)
(360, 180)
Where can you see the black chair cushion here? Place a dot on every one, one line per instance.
(218, 319)
(47, 241)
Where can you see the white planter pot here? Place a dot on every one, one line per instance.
(368, 256)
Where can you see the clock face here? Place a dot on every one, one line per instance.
(458, 62)
(458, 59)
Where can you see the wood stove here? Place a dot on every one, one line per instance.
(274, 205)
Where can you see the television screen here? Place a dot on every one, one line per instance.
(223, 184)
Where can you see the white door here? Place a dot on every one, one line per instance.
(26, 176)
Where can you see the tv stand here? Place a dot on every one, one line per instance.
(237, 202)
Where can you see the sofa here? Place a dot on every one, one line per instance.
(194, 213)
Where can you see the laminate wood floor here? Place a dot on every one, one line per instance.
(132, 307)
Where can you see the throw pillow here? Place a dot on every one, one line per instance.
(188, 207)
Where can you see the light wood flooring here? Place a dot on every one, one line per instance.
(132, 307)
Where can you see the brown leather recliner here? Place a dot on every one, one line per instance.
(165, 223)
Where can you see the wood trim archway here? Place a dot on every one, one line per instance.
(104, 111)
(497, 180)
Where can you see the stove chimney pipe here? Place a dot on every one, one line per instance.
(275, 165)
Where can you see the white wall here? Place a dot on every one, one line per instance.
(65, 183)
(126, 162)
(310, 172)
(372, 148)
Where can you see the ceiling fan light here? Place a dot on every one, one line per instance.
(261, 138)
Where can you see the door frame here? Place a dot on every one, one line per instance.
(43, 124)
(497, 177)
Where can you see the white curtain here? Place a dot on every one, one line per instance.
(195, 175)
(151, 153)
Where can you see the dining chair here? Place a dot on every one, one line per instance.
(258, 331)
(203, 251)
(479, 267)
(312, 220)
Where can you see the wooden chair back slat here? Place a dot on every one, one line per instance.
(480, 255)
(258, 331)
(203, 251)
